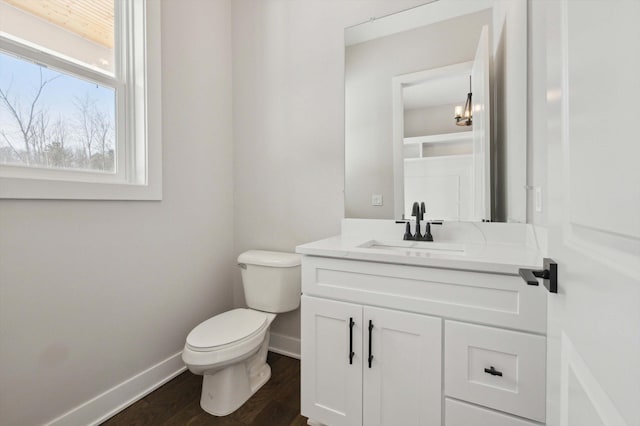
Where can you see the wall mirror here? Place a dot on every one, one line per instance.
(408, 136)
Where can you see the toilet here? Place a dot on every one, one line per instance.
(230, 349)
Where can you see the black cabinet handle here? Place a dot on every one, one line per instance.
(493, 371)
(370, 354)
(351, 324)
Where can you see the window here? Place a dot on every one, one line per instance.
(79, 99)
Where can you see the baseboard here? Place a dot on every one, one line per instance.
(284, 345)
(116, 399)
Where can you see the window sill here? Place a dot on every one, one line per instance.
(39, 189)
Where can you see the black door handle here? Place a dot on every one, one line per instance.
(370, 354)
(531, 275)
(549, 275)
(493, 371)
(351, 324)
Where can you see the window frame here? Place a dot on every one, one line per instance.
(137, 85)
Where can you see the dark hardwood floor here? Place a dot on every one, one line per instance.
(177, 402)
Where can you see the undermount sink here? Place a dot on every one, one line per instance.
(415, 247)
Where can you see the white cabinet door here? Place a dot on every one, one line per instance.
(593, 210)
(331, 379)
(402, 384)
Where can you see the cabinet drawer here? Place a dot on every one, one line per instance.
(492, 299)
(461, 414)
(497, 368)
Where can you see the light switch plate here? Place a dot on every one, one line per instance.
(376, 199)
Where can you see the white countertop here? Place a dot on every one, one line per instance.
(486, 256)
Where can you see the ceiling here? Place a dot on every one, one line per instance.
(90, 19)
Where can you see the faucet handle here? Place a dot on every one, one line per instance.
(407, 232)
(427, 233)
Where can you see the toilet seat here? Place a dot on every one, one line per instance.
(221, 340)
(232, 328)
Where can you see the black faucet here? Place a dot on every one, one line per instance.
(415, 211)
(419, 215)
(418, 210)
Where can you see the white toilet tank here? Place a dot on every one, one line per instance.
(271, 280)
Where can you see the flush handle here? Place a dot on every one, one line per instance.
(549, 275)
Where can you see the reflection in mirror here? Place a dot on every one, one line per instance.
(439, 145)
(407, 77)
(436, 154)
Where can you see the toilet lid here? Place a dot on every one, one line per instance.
(226, 328)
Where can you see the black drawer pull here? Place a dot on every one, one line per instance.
(351, 324)
(370, 354)
(493, 371)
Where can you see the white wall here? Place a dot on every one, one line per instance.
(93, 292)
(289, 120)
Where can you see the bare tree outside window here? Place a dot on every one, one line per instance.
(52, 120)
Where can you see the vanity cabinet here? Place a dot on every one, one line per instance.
(449, 347)
(368, 365)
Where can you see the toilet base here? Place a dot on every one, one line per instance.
(229, 388)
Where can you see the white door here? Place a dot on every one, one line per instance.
(403, 382)
(593, 105)
(481, 89)
(331, 378)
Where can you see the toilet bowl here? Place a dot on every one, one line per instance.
(230, 349)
